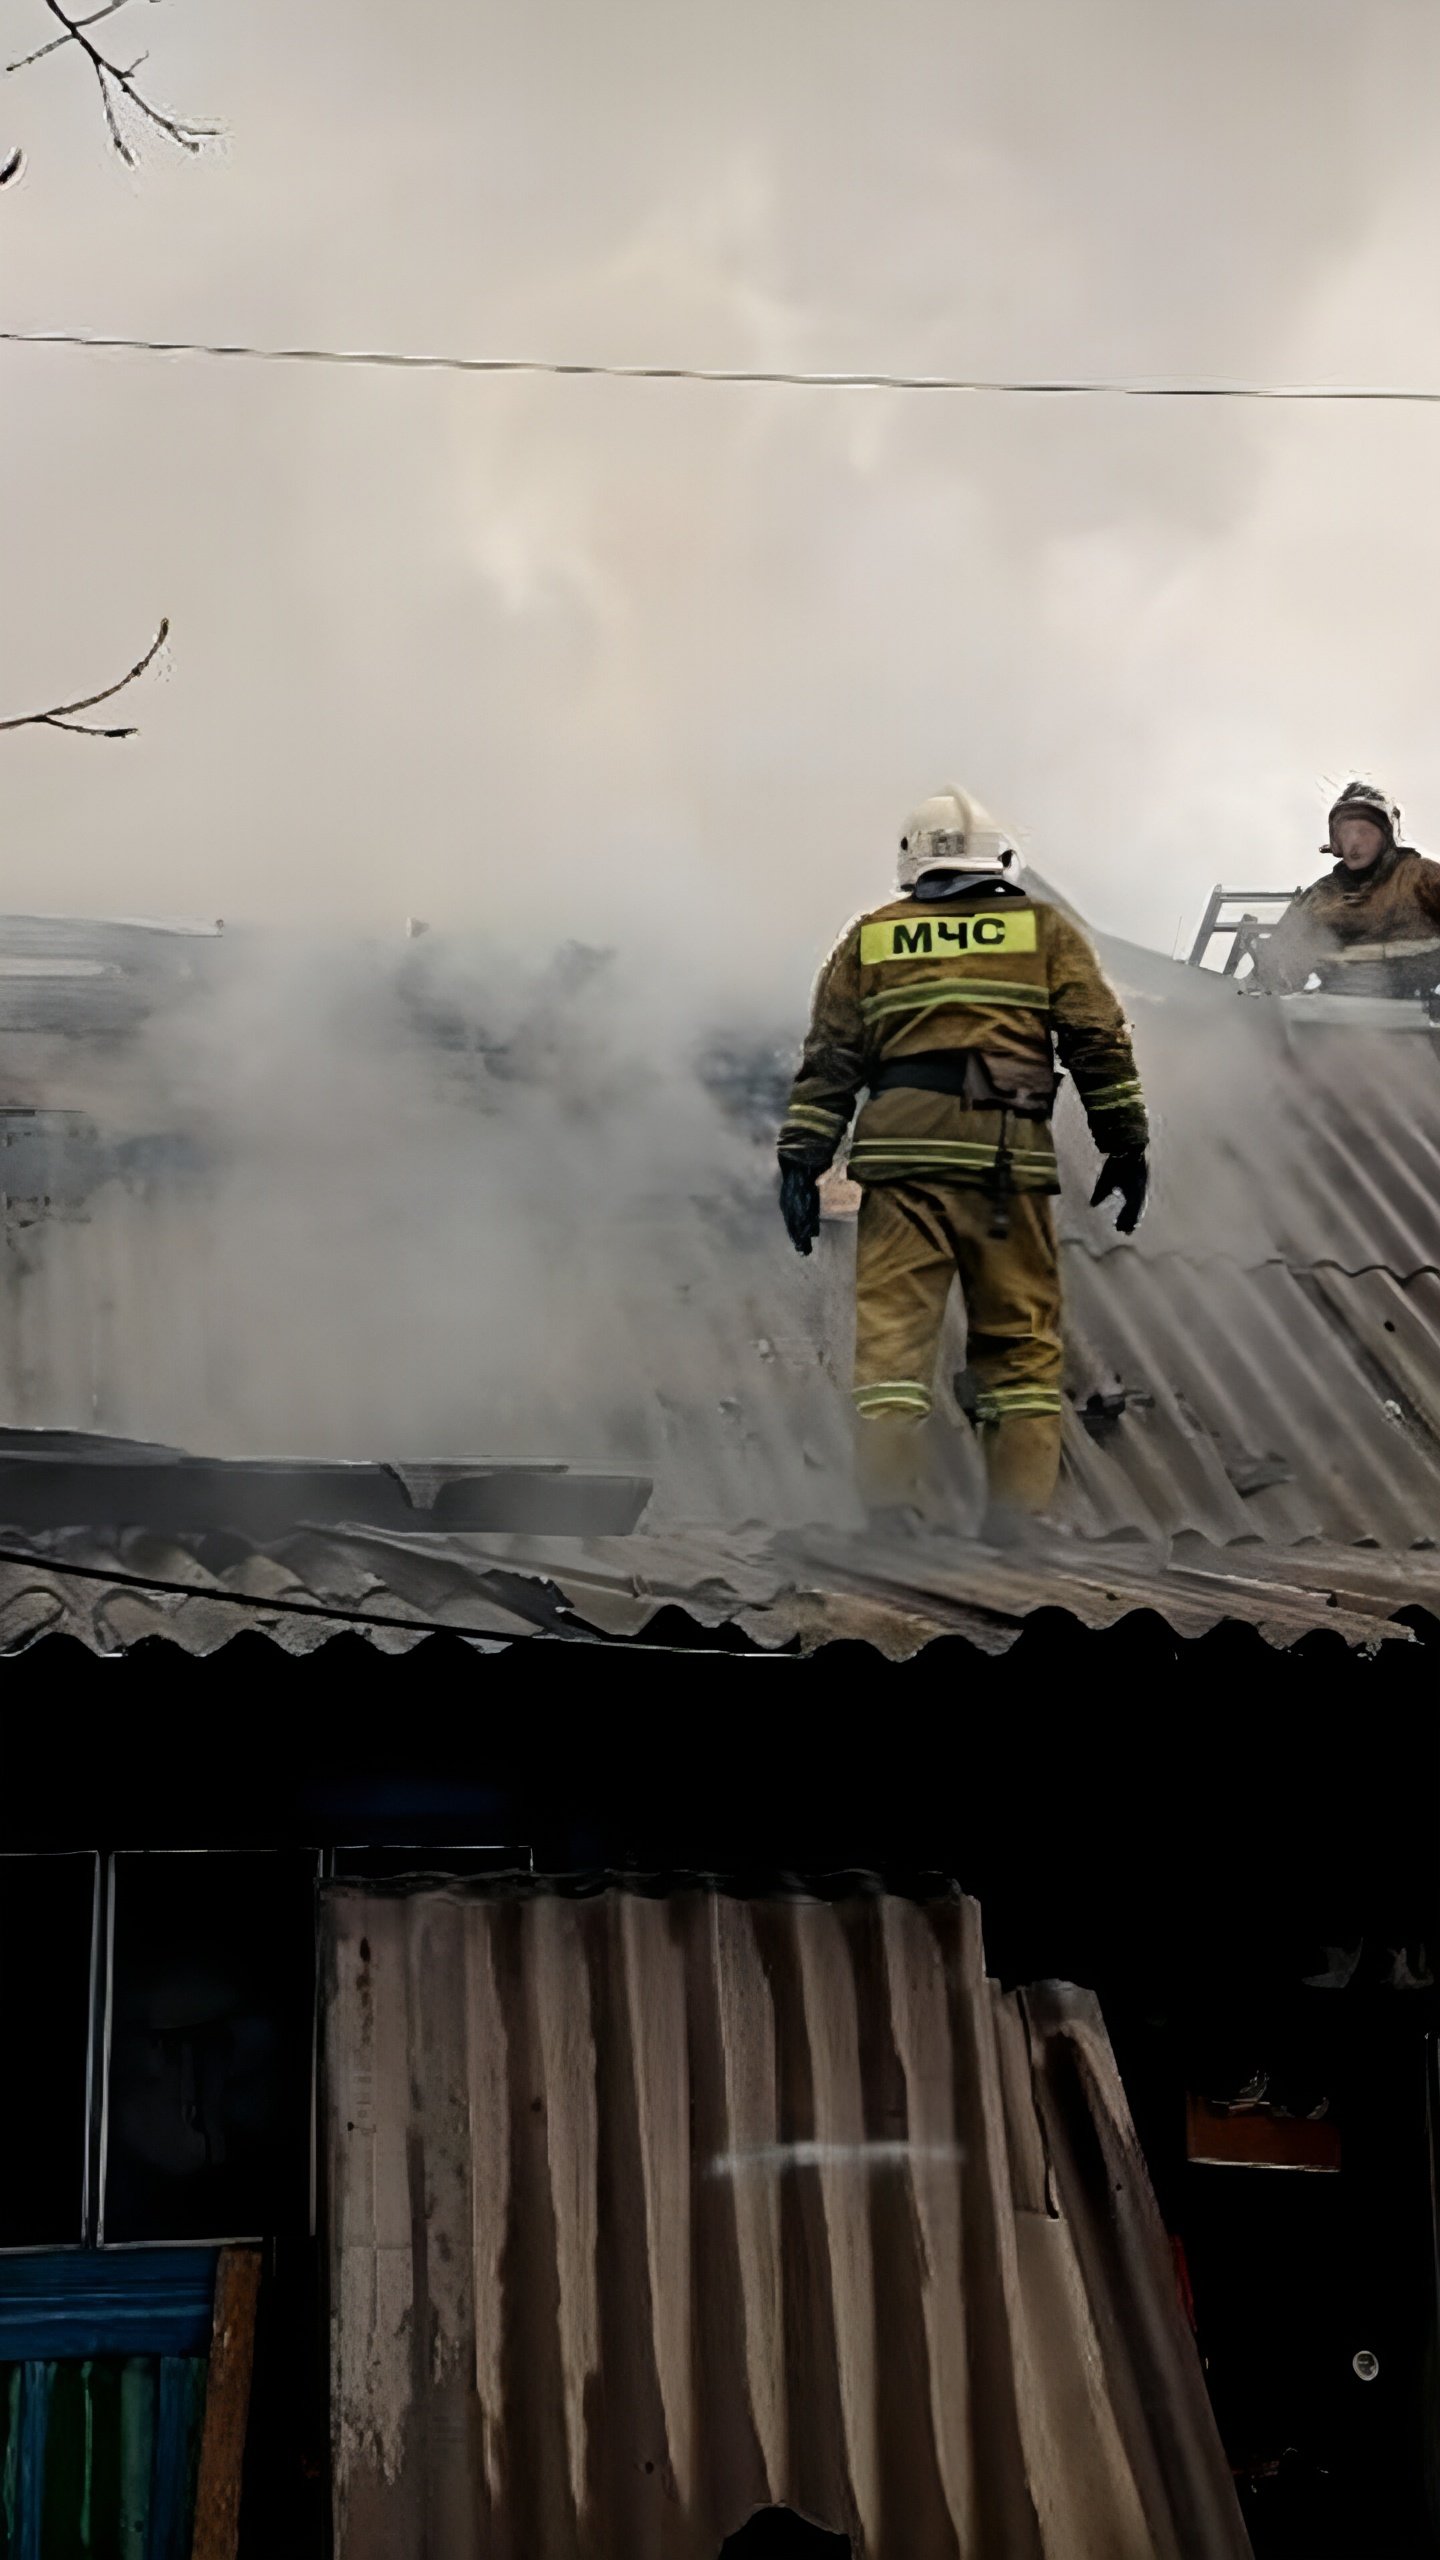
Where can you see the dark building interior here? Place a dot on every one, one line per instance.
(1234, 1846)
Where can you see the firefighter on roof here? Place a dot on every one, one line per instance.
(1371, 926)
(947, 1007)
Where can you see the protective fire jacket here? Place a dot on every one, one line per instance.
(1390, 913)
(992, 982)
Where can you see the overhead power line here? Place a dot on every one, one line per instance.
(399, 360)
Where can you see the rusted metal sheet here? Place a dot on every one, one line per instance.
(648, 2211)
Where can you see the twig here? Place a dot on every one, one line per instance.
(63, 715)
(116, 81)
(57, 43)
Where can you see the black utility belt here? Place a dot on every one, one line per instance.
(925, 1075)
(985, 1083)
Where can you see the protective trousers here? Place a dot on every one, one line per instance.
(913, 1239)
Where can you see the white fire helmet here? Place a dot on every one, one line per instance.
(951, 832)
(1366, 800)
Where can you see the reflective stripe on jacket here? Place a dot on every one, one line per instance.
(1384, 914)
(988, 971)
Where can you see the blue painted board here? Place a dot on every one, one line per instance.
(102, 2302)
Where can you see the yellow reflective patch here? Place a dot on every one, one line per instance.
(946, 937)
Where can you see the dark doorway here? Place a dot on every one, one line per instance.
(777, 2533)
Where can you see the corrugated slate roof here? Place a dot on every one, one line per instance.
(1258, 1371)
(792, 1593)
(1275, 1327)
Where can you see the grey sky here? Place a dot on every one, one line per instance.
(672, 661)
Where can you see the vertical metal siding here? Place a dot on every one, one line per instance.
(648, 2211)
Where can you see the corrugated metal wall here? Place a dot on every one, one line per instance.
(649, 2210)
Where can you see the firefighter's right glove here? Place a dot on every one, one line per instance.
(800, 1205)
(1129, 1174)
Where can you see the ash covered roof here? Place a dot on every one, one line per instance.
(1269, 1347)
(1253, 1382)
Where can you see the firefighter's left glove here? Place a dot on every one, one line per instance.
(800, 1205)
(1129, 1174)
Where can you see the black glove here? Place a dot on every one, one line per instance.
(1128, 1172)
(800, 1205)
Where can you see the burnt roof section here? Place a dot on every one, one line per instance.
(1253, 1383)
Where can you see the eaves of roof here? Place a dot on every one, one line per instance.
(760, 1596)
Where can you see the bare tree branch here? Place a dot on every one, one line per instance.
(119, 87)
(116, 81)
(58, 43)
(64, 715)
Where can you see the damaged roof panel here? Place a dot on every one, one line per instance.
(1273, 1404)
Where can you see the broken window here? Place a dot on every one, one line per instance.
(158, 2012)
(210, 2040)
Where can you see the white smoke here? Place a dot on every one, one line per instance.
(473, 648)
(658, 668)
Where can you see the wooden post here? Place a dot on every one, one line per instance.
(227, 2406)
